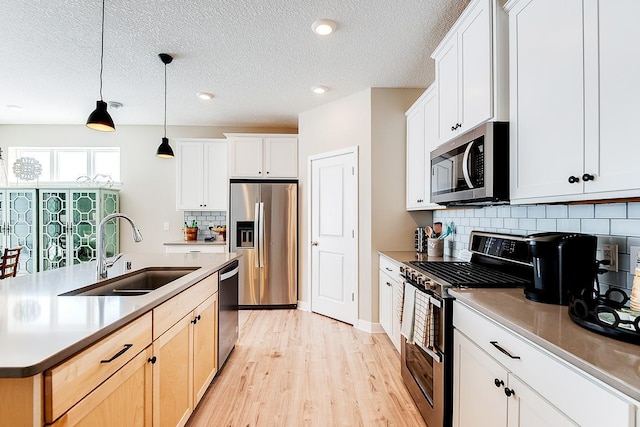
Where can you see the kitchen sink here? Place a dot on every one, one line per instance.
(136, 283)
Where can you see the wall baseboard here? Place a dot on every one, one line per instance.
(304, 306)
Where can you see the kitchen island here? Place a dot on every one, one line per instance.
(43, 332)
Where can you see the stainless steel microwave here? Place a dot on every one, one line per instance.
(473, 168)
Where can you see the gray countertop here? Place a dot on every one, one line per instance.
(196, 242)
(39, 328)
(549, 326)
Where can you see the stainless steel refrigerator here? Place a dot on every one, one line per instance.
(263, 226)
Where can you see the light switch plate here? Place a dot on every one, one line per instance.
(166, 226)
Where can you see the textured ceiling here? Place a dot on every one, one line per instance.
(259, 58)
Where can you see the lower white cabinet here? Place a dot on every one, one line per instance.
(487, 394)
(501, 378)
(390, 299)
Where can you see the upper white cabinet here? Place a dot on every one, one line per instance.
(201, 174)
(262, 155)
(471, 70)
(422, 137)
(573, 88)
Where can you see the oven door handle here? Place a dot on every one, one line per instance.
(465, 165)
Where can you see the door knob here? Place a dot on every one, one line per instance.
(314, 243)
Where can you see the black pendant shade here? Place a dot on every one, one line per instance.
(164, 150)
(100, 118)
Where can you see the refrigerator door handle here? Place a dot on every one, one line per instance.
(256, 233)
(261, 235)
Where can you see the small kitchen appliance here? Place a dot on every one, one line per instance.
(563, 264)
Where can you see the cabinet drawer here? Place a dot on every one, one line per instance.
(69, 382)
(390, 268)
(574, 392)
(169, 313)
(185, 249)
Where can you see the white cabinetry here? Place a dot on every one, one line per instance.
(539, 388)
(201, 174)
(422, 137)
(263, 155)
(471, 69)
(572, 92)
(390, 301)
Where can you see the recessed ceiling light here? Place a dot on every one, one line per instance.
(204, 95)
(115, 105)
(323, 27)
(319, 90)
(15, 107)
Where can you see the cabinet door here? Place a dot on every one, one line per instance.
(448, 89)
(613, 157)
(124, 399)
(216, 184)
(474, 39)
(527, 408)
(205, 339)
(172, 375)
(54, 216)
(416, 158)
(21, 228)
(386, 303)
(245, 158)
(189, 175)
(280, 158)
(546, 98)
(396, 315)
(478, 386)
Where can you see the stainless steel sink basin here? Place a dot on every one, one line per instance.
(139, 282)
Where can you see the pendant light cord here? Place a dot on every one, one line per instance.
(165, 100)
(101, 49)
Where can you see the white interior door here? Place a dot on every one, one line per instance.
(334, 260)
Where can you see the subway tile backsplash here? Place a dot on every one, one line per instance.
(615, 223)
(204, 218)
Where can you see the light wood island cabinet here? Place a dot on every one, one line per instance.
(152, 371)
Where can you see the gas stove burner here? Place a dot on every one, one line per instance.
(466, 274)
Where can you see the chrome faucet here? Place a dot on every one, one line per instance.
(103, 262)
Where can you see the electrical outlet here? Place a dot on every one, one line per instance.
(633, 261)
(166, 226)
(610, 252)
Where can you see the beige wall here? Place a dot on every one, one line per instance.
(374, 121)
(148, 191)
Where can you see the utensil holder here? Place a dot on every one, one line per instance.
(435, 247)
(191, 233)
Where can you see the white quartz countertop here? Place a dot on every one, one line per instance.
(39, 328)
(196, 242)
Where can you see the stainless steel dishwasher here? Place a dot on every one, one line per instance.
(227, 311)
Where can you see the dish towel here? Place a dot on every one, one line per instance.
(408, 312)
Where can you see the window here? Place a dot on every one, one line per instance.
(67, 164)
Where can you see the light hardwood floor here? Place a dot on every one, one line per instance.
(293, 368)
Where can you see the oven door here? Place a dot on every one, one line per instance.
(423, 369)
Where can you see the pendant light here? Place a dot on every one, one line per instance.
(164, 150)
(100, 118)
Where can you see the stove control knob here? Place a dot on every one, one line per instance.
(420, 280)
(401, 269)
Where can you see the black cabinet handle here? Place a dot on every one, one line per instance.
(195, 319)
(498, 382)
(152, 360)
(118, 354)
(453, 128)
(496, 345)
(509, 392)
(573, 179)
(588, 177)
(389, 284)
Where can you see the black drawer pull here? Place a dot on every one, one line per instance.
(496, 345)
(118, 354)
(498, 382)
(509, 392)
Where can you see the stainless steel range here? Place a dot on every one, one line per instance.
(498, 260)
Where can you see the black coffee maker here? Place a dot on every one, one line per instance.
(564, 264)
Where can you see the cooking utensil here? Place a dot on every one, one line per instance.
(429, 231)
(437, 228)
(446, 232)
